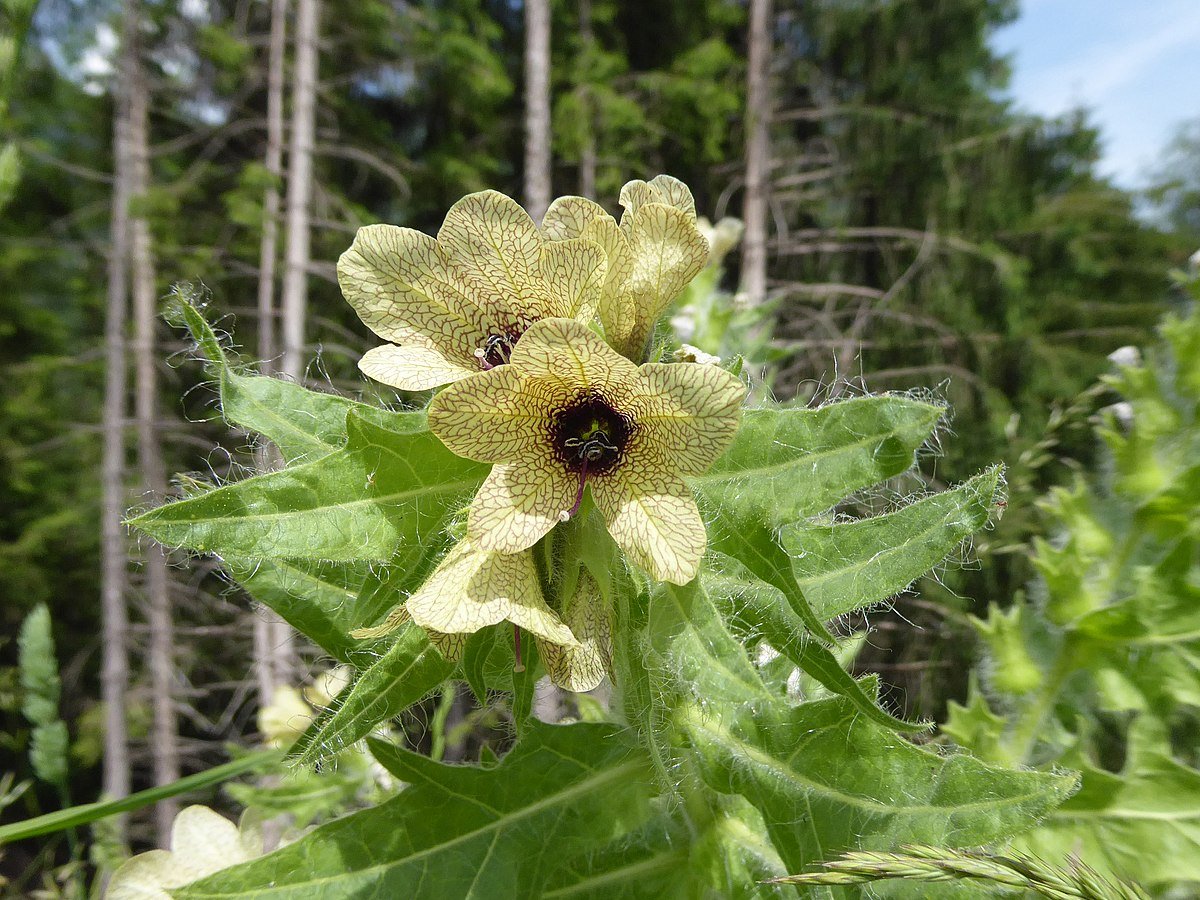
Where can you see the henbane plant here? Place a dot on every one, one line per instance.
(641, 526)
(1098, 667)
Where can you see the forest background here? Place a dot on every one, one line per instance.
(905, 228)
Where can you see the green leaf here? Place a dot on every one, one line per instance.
(757, 547)
(10, 172)
(381, 492)
(650, 864)
(844, 566)
(326, 601)
(698, 651)
(303, 424)
(827, 779)
(478, 649)
(410, 669)
(462, 831)
(318, 599)
(48, 750)
(786, 464)
(1143, 822)
(75, 816)
(784, 630)
(40, 683)
(725, 856)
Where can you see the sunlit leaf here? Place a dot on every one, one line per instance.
(383, 490)
(303, 424)
(462, 831)
(411, 668)
(826, 779)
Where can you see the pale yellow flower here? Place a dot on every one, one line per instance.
(202, 844)
(456, 305)
(652, 254)
(472, 589)
(571, 412)
(722, 237)
(285, 718)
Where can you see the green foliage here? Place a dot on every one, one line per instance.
(42, 690)
(710, 757)
(381, 492)
(410, 669)
(73, 817)
(1097, 668)
(464, 831)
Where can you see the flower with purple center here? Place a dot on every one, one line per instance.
(570, 414)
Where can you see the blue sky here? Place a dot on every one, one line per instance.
(1136, 65)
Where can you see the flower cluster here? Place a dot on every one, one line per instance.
(542, 336)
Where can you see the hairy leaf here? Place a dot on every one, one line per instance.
(326, 601)
(461, 831)
(844, 566)
(410, 669)
(318, 599)
(303, 424)
(827, 779)
(382, 491)
(785, 464)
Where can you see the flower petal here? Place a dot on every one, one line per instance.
(411, 368)
(616, 301)
(690, 412)
(450, 645)
(574, 273)
(668, 252)
(582, 667)
(518, 503)
(660, 189)
(567, 217)
(570, 358)
(494, 254)
(472, 589)
(397, 282)
(495, 416)
(652, 516)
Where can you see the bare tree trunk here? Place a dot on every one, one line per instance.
(758, 155)
(267, 624)
(161, 653)
(547, 701)
(587, 153)
(537, 107)
(294, 297)
(113, 547)
(273, 161)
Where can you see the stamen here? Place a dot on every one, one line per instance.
(519, 665)
(496, 351)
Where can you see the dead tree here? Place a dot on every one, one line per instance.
(758, 155)
(537, 107)
(114, 555)
(269, 628)
(161, 650)
(294, 295)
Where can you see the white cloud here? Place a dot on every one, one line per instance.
(1101, 70)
